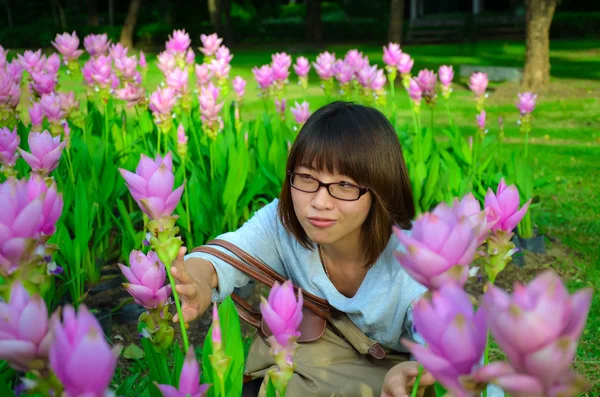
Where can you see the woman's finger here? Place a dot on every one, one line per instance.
(181, 276)
(187, 290)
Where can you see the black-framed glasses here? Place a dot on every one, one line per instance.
(339, 190)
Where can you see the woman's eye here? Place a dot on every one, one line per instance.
(306, 178)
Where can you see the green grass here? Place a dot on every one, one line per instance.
(565, 131)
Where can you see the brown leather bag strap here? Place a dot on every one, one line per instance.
(259, 275)
(318, 301)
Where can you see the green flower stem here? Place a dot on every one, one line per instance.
(486, 358)
(71, 174)
(415, 388)
(106, 133)
(186, 344)
(158, 142)
(187, 197)
(222, 385)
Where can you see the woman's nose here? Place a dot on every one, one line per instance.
(322, 199)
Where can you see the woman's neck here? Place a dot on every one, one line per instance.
(348, 252)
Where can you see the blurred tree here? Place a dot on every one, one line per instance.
(93, 13)
(8, 13)
(227, 28)
(214, 12)
(313, 21)
(538, 15)
(396, 25)
(129, 25)
(59, 15)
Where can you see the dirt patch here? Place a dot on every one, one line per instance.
(563, 89)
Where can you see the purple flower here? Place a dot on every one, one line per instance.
(45, 152)
(209, 106)
(239, 85)
(427, 80)
(50, 104)
(220, 68)
(440, 248)
(127, 66)
(118, 51)
(67, 45)
(43, 83)
(210, 44)
(324, 65)
(280, 66)
(446, 75)
(301, 112)
(526, 102)
(478, 83)
(503, 207)
(96, 44)
(163, 100)
(52, 204)
(481, 120)
(263, 76)
(32, 61)
(414, 90)
(98, 71)
(143, 62)
(405, 63)
(203, 74)
(146, 275)
(345, 72)
(151, 186)
(224, 54)
(179, 42)
(455, 336)
(392, 54)
(283, 312)
(9, 142)
(189, 380)
(302, 67)
(177, 79)
(52, 64)
(166, 62)
(356, 60)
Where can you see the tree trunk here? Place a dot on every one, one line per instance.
(93, 13)
(111, 13)
(214, 11)
(8, 13)
(227, 28)
(396, 26)
(313, 21)
(538, 16)
(129, 25)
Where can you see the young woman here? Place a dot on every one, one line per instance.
(330, 232)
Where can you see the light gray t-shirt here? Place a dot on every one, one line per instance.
(380, 307)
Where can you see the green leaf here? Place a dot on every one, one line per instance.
(440, 391)
(133, 352)
(178, 358)
(271, 391)
(127, 384)
(431, 185)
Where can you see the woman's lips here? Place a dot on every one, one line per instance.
(321, 222)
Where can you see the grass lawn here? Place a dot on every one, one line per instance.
(565, 141)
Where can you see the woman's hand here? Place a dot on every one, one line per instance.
(399, 380)
(195, 292)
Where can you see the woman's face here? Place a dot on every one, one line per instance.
(325, 219)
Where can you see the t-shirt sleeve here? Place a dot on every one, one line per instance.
(259, 237)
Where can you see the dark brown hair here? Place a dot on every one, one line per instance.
(357, 141)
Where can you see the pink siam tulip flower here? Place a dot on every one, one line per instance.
(118, 51)
(68, 46)
(43, 83)
(263, 76)
(36, 113)
(182, 139)
(50, 104)
(478, 83)
(392, 54)
(455, 335)
(166, 62)
(356, 60)
(302, 67)
(280, 107)
(151, 186)
(365, 75)
(52, 205)
(189, 380)
(19, 224)
(280, 66)
(127, 66)
(210, 44)
(209, 108)
(146, 280)
(15, 70)
(9, 142)
(446, 74)
(114, 82)
(68, 103)
(24, 337)
(78, 338)
(503, 207)
(177, 79)
(538, 327)
(283, 312)
(3, 54)
(239, 85)
(414, 90)
(220, 68)
(132, 94)
(405, 63)
(179, 42)
(97, 72)
(32, 61)
(301, 112)
(45, 152)
(481, 120)
(143, 63)
(440, 248)
(526, 103)
(378, 81)
(96, 44)
(344, 72)
(427, 80)
(470, 208)
(190, 57)
(163, 100)
(203, 74)
(324, 65)
(52, 64)
(223, 53)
